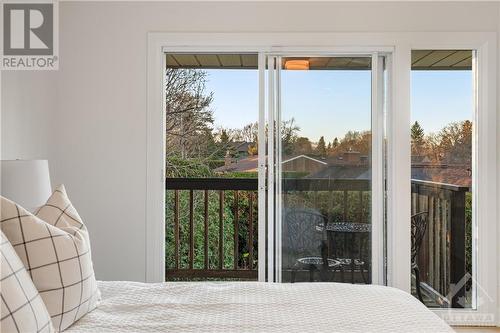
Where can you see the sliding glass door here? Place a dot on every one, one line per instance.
(325, 166)
(443, 171)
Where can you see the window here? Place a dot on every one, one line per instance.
(458, 215)
(442, 172)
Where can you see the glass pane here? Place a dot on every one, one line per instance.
(442, 172)
(212, 107)
(325, 158)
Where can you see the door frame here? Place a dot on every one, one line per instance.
(273, 113)
(398, 150)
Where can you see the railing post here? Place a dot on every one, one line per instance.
(221, 229)
(177, 229)
(205, 215)
(457, 247)
(191, 229)
(250, 230)
(236, 221)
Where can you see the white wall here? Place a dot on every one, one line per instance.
(498, 139)
(28, 102)
(95, 136)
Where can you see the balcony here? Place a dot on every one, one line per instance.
(211, 228)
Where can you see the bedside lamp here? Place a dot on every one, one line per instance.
(26, 182)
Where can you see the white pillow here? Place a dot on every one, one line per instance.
(22, 307)
(55, 248)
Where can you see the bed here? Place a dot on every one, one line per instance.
(256, 307)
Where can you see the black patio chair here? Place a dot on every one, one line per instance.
(418, 228)
(304, 246)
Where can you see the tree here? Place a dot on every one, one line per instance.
(332, 147)
(417, 139)
(455, 142)
(302, 146)
(352, 141)
(249, 133)
(452, 144)
(321, 147)
(189, 118)
(224, 137)
(253, 149)
(289, 135)
(349, 141)
(335, 143)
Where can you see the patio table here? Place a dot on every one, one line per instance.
(352, 229)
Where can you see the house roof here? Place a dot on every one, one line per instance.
(420, 159)
(456, 175)
(449, 174)
(241, 146)
(343, 172)
(248, 164)
(304, 156)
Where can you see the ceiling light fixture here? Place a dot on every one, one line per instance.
(297, 64)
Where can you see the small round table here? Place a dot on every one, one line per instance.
(348, 228)
(313, 264)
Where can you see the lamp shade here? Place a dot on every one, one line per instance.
(26, 182)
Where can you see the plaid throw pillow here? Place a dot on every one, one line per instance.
(55, 249)
(22, 307)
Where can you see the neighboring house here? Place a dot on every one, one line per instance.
(420, 160)
(303, 164)
(300, 163)
(343, 172)
(240, 148)
(354, 166)
(349, 158)
(450, 174)
(248, 164)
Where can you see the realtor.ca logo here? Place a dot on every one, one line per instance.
(29, 36)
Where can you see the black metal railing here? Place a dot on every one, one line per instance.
(212, 224)
(224, 212)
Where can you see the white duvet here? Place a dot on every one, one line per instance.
(256, 307)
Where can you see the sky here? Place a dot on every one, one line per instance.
(330, 103)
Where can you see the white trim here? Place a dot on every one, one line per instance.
(299, 156)
(270, 169)
(347, 42)
(377, 165)
(398, 171)
(104, 1)
(155, 182)
(261, 250)
(475, 142)
(389, 93)
(399, 144)
(485, 174)
(278, 178)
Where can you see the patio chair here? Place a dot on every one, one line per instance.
(304, 247)
(418, 228)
